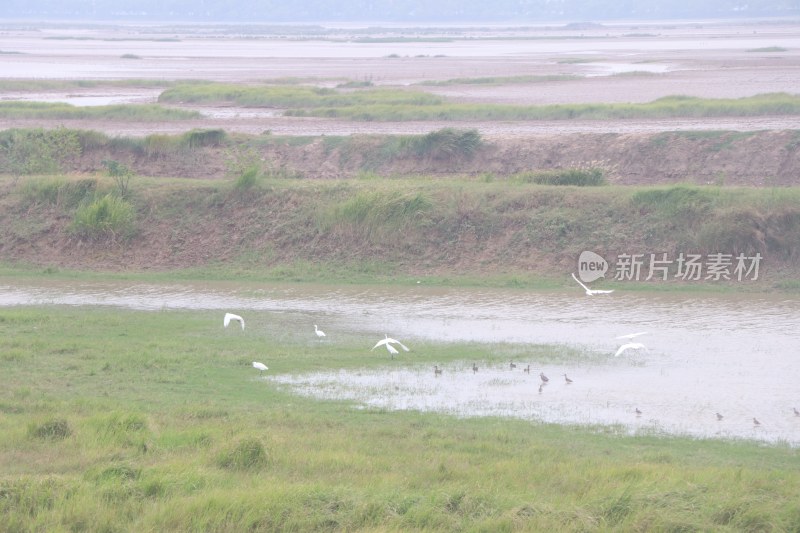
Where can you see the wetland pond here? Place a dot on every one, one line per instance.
(705, 353)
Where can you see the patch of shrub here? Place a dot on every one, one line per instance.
(590, 177)
(674, 201)
(445, 143)
(200, 138)
(106, 217)
(249, 454)
(121, 174)
(57, 191)
(37, 151)
(56, 429)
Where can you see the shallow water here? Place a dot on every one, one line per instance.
(736, 354)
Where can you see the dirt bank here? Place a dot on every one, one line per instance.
(762, 158)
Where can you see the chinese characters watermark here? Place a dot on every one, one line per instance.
(716, 266)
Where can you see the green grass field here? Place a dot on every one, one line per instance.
(118, 420)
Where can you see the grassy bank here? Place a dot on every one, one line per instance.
(506, 231)
(400, 104)
(119, 420)
(51, 111)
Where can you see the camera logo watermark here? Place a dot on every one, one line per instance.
(660, 266)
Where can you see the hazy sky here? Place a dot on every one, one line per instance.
(520, 11)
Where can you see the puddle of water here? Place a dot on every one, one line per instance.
(87, 100)
(609, 69)
(736, 354)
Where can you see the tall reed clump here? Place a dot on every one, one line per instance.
(446, 143)
(377, 214)
(106, 217)
(57, 192)
(589, 177)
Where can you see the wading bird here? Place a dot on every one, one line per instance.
(388, 341)
(629, 346)
(638, 412)
(436, 370)
(231, 316)
(474, 368)
(541, 386)
(719, 416)
(318, 331)
(590, 292)
(544, 378)
(512, 365)
(567, 380)
(259, 366)
(527, 369)
(796, 412)
(756, 422)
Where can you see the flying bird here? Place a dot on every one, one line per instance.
(629, 346)
(388, 341)
(259, 366)
(392, 350)
(590, 292)
(632, 335)
(318, 331)
(231, 316)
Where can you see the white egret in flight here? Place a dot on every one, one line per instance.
(231, 316)
(632, 335)
(389, 341)
(590, 292)
(629, 346)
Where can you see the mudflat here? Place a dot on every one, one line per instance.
(532, 65)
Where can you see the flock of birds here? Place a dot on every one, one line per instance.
(390, 343)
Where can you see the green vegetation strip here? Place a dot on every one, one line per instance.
(137, 112)
(672, 106)
(402, 105)
(115, 420)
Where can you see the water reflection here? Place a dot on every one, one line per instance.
(736, 354)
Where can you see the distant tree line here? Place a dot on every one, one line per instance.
(506, 11)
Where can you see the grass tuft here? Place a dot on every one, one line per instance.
(56, 429)
(249, 454)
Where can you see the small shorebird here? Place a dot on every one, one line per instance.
(512, 365)
(796, 412)
(541, 386)
(436, 370)
(567, 380)
(527, 370)
(756, 422)
(474, 368)
(545, 379)
(719, 416)
(638, 412)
